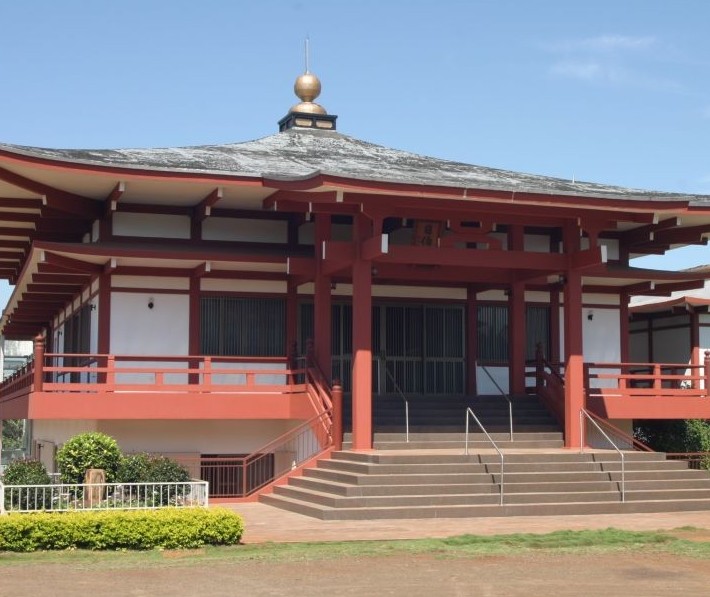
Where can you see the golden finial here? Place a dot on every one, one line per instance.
(307, 88)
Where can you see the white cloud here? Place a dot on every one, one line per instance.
(604, 43)
(588, 71)
(610, 73)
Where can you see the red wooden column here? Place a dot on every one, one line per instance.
(291, 318)
(695, 356)
(554, 351)
(104, 325)
(574, 359)
(471, 340)
(322, 301)
(516, 321)
(516, 334)
(624, 334)
(574, 347)
(362, 340)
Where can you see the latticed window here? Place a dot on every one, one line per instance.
(493, 333)
(237, 326)
(537, 324)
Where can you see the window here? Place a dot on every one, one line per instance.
(235, 326)
(493, 333)
(537, 324)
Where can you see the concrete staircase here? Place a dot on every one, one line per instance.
(430, 477)
(443, 484)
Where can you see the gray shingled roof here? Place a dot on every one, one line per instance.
(303, 153)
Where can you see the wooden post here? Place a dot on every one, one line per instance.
(656, 377)
(574, 400)
(362, 341)
(516, 334)
(574, 360)
(110, 373)
(707, 373)
(337, 395)
(39, 363)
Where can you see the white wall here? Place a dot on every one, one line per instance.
(203, 437)
(59, 431)
(233, 229)
(139, 330)
(151, 225)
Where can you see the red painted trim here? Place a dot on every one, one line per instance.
(104, 325)
(291, 319)
(624, 331)
(171, 249)
(148, 290)
(194, 317)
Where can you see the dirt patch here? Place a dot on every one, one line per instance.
(695, 535)
(559, 574)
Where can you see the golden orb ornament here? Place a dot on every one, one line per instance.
(308, 108)
(307, 87)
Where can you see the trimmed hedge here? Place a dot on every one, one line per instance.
(169, 528)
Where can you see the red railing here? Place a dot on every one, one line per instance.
(695, 460)
(94, 373)
(622, 439)
(242, 476)
(19, 383)
(550, 386)
(628, 380)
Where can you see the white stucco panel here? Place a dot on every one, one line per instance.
(263, 231)
(136, 329)
(151, 225)
(259, 286)
(149, 282)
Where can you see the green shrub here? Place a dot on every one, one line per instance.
(145, 468)
(26, 472)
(170, 528)
(85, 451)
(133, 468)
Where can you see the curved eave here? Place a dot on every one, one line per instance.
(143, 171)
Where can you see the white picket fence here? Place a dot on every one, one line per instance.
(62, 497)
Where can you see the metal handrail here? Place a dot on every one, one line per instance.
(406, 402)
(469, 414)
(583, 413)
(502, 393)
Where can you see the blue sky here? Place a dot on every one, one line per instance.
(613, 91)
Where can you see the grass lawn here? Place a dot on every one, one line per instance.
(681, 542)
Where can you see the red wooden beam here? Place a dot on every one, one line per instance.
(114, 196)
(66, 289)
(474, 258)
(203, 209)
(70, 264)
(374, 247)
(55, 198)
(20, 203)
(643, 234)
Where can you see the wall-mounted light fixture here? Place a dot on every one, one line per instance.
(590, 315)
(151, 302)
(374, 271)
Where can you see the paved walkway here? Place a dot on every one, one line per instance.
(266, 523)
